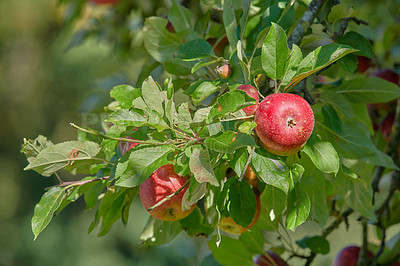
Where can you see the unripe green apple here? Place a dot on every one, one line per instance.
(284, 123)
(164, 182)
(252, 92)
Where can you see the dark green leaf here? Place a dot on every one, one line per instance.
(180, 17)
(195, 192)
(316, 244)
(230, 102)
(157, 232)
(348, 63)
(357, 193)
(331, 118)
(209, 260)
(229, 141)
(230, 251)
(46, 208)
(194, 50)
(357, 41)
(201, 64)
(196, 224)
(201, 167)
(322, 154)
(271, 170)
(275, 52)
(201, 90)
(140, 164)
(242, 207)
(291, 65)
(125, 94)
(230, 23)
(58, 156)
(369, 90)
(239, 161)
(298, 207)
(273, 200)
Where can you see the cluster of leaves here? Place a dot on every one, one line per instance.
(208, 134)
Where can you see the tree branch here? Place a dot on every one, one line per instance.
(305, 22)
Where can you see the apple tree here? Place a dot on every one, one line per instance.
(247, 118)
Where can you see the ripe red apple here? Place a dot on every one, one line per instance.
(224, 71)
(284, 123)
(163, 182)
(387, 74)
(269, 259)
(363, 63)
(348, 256)
(252, 92)
(104, 2)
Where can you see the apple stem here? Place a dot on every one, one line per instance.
(168, 197)
(247, 164)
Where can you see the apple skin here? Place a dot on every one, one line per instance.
(104, 2)
(265, 260)
(252, 92)
(163, 182)
(363, 63)
(387, 74)
(284, 123)
(348, 256)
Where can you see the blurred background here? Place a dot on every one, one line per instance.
(44, 85)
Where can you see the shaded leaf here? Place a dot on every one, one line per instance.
(242, 203)
(322, 154)
(157, 232)
(195, 224)
(230, 251)
(194, 50)
(298, 207)
(201, 167)
(229, 141)
(316, 244)
(273, 200)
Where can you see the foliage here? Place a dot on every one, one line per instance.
(209, 133)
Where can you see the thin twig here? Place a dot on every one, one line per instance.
(59, 178)
(363, 256)
(78, 183)
(247, 163)
(168, 197)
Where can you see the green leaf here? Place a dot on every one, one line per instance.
(357, 193)
(341, 11)
(230, 102)
(127, 117)
(58, 156)
(273, 200)
(229, 19)
(229, 141)
(158, 41)
(230, 251)
(209, 260)
(322, 154)
(180, 17)
(201, 64)
(291, 65)
(184, 117)
(318, 59)
(192, 195)
(331, 118)
(157, 232)
(369, 90)
(357, 41)
(247, 127)
(313, 182)
(275, 52)
(271, 170)
(141, 163)
(348, 63)
(152, 96)
(253, 240)
(200, 116)
(316, 244)
(31, 148)
(201, 167)
(298, 207)
(201, 90)
(125, 94)
(45, 209)
(194, 50)
(242, 203)
(195, 224)
(239, 160)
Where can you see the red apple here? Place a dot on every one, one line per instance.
(224, 71)
(387, 74)
(363, 63)
(348, 256)
(252, 92)
(104, 2)
(284, 123)
(269, 259)
(163, 182)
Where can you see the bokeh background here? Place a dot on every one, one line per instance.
(43, 87)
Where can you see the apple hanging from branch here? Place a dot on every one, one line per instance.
(284, 123)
